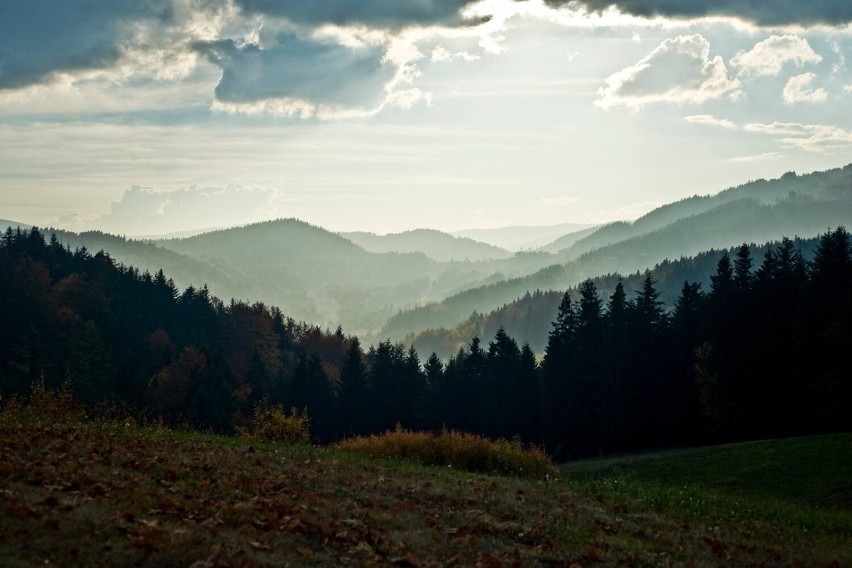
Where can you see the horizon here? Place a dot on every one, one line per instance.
(448, 114)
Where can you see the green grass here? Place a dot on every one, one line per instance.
(775, 490)
(76, 492)
(809, 471)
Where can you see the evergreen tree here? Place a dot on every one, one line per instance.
(353, 391)
(555, 381)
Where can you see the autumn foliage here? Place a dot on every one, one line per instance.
(42, 405)
(273, 423)
(457, 450)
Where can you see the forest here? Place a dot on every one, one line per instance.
(762, 352)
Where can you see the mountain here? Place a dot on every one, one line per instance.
(756, 212)
(434, 244)
(831, 185)
(184, 270)
(319, 276)
(528, 318)
(567, 241)
(519, 237)
(4, 223)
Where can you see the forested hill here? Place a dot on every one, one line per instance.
(763, 352)
(434, 244)
(527, 318)
(789, 191)
(14, 224)
(758, 212)
(320, 276)
(145, 256)
(521, 237)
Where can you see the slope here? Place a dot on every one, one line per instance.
(319, 276)
(520, 237)
(820, 201)
(121, 494)
(434, 244)
(528, 318)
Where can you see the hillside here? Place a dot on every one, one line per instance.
(829, 186)
(14, 224)
(528, 317)
(567, 241)
(109, 492)
(434, 244)
(758, 212)
(319, 276)
(520, 237)
(183, 269)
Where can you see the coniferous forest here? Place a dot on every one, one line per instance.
(762, 352)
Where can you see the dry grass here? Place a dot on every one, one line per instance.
(466, 452)
(274, 424)
(78, 492)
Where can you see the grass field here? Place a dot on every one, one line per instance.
(109, 493)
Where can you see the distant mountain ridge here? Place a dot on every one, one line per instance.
(435, 244)
(4, 223)
(756, 212)
(321, 277)
(528, 317)
(520, 237)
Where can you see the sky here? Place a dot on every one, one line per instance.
(144, 117)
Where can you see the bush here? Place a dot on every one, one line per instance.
(44, 405)
(458, 450)
(272, 423)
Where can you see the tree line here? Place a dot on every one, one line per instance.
(762, 352)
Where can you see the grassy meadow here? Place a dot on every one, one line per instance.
(76, 491)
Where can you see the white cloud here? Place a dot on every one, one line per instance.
(817, 138)
(679, 70)
(799, 90)
(847, 89)
(769, 56)
(441, 53)
(711, 121)
(757, 158)
(142, 210)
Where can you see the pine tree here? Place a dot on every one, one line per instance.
(352, 397)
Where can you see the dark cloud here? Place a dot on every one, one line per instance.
(293, 67)
(761, 12)
(40, 38)
(372, 13)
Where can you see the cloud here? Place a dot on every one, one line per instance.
(847, 88)
(42, 41)
(299, 69)
(391, 14)
(817, 138)
(441, 53)
(798, 90)
(711, 121)
(41, 38)
(147, 211)
(287, 57)
(769, 56)
(762, 13)
(757, 158)
(679, 70)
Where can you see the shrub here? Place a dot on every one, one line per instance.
(44, 405)
(273, 423)
(458, 450)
